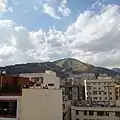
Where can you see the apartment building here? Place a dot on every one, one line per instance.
(9, 107)
(95, 113)
(47, 79)
(33, 104)
(72, 92)
(82, 76)
(100, 91)
(117, 91)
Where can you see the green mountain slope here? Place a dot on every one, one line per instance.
(71, 64)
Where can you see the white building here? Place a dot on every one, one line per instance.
(100, 91)
(95, 113)
(48, 79)
(34, 104)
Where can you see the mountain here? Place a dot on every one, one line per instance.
(31, 68)
(61, 67)
(76, 66)
(116, 69)
(70, 64)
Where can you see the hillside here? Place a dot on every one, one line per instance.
(70, 64)
(116, 69)
(61, 67)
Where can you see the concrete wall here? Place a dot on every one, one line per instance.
(41, 104)
(104, 88)
(81, 116)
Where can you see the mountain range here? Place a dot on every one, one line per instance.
(61, 67)
(116, 69)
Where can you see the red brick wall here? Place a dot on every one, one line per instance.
(10, 80)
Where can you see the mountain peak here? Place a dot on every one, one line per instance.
(73, 64)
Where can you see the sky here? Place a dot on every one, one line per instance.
(47, 30)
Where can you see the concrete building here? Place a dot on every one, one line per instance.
(95, 113)
(48, 79)
(9, 107)
(100, 91)
(72, 92)
(41, 104)
(117, 91)
(5, 79)
(34, 104)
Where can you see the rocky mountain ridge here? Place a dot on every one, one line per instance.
(61, 67)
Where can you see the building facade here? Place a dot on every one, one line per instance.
(41, 104)
(9, 107)
(72, 92)
(117, 91)
(100, 91)
(47, 79)
(95, 113)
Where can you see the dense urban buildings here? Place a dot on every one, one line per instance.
(30, 100)
(95, 113)
(100, 91)
(47, 79)
(47, 97)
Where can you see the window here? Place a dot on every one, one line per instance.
(106, 113)
(77, 118)
(110, 93)
(117, 114)
(94, 92)
(105, 93)
(105, 98)
(91, 113)
(90, 93)
(100, 98)
(99, 93)
(51, 84)
(85, 112)
(77, 112)
(99, 88)
(8, 108)
(95, 98)
(100, 113)
(110, 98)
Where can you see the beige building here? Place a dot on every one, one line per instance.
(34, 104)
(117, 91)
(101, 90)
(48, 79)
(95, 113)
(41, 104)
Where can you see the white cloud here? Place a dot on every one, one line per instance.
(92, 38)
(3, 5)
(56, 11)
(63, 9)
(50, 11)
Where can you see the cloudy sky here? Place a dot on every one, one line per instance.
(45, 30)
